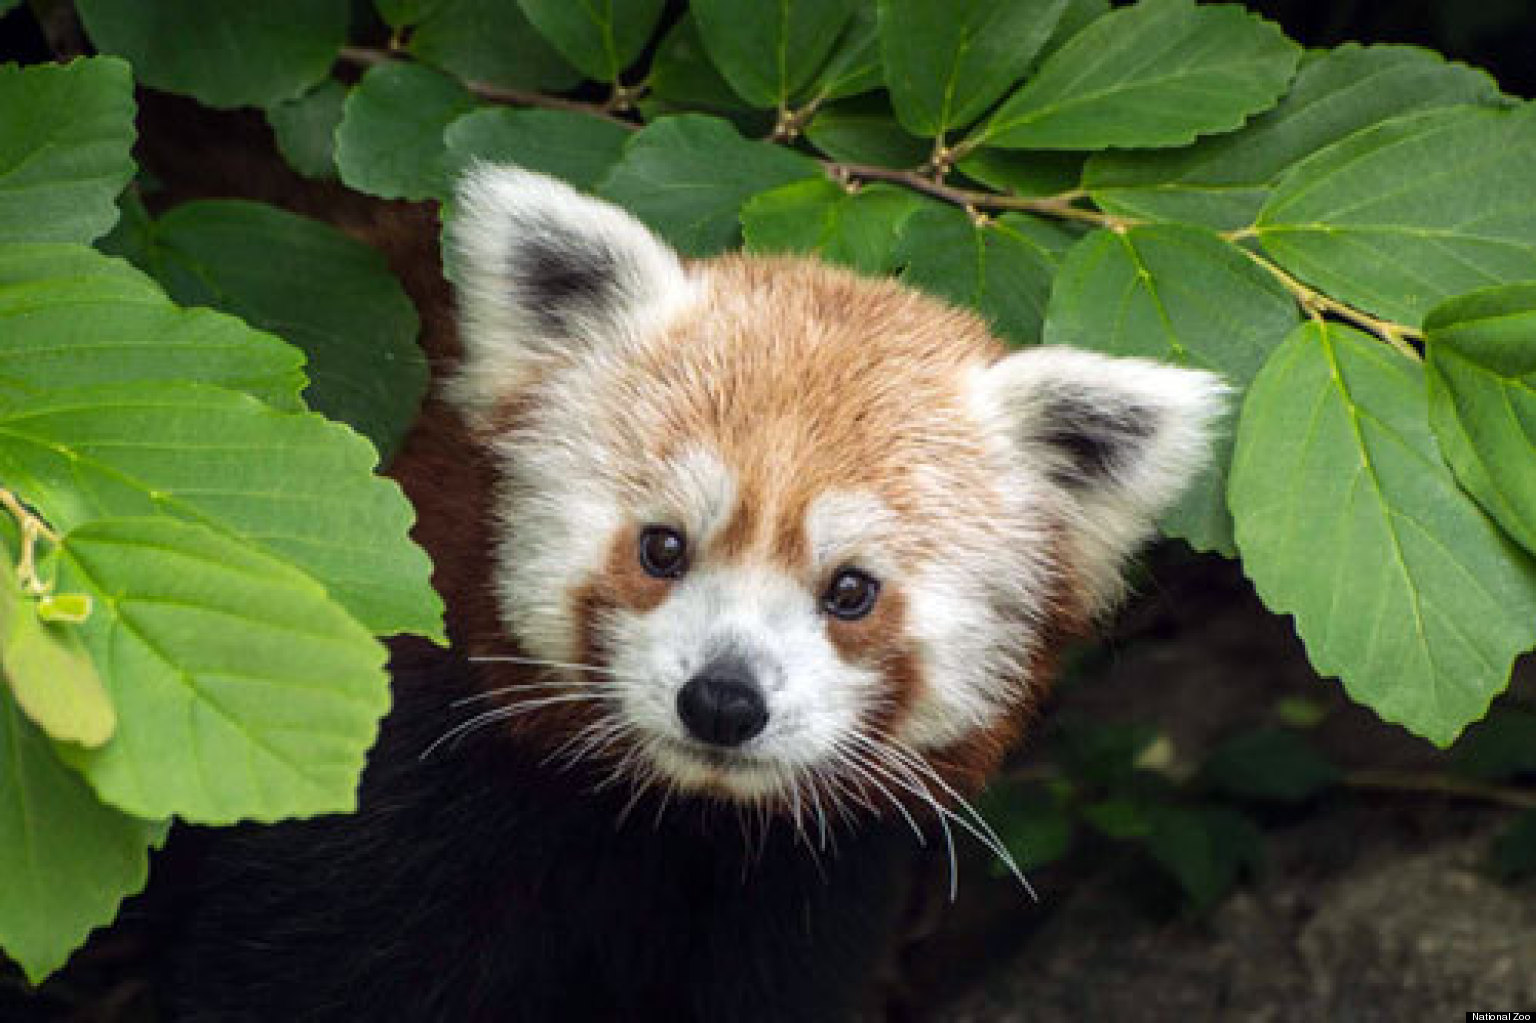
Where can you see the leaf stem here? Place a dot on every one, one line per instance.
(1440, 785)
(367, 56)
(32, 529)
(1062, 206)
(1317, 304)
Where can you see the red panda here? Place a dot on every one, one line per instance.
(753, 566)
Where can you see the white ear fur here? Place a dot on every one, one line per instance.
(543, 270)
(1120, 438)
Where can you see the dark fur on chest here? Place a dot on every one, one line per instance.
(476, 885)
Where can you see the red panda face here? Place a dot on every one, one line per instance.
(786, 532)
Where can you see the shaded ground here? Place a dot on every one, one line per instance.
(1372, 903)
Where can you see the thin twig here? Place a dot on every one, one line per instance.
(367, 56)
(1317, 303)
(1440, 785)
(32, 529)
(1062, 206)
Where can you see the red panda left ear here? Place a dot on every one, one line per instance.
(1116, 439)
(544, 273)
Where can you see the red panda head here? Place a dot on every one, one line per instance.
(787, 529)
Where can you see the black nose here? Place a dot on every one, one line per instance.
(722, 704)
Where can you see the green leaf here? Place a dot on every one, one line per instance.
(1025, 173)
(1271, 764)
(67, 860)
(1204, 848)
(1159, 73)
(1403, 215)
(6, 5)
(1501, 746)
(71, 317)
(1103, 752)
(1514, 852)
(399, 14)
(329, 294)
(857, 229)
(1180, 295)
(295, 485)
(65, 136)
(243, 691)
(1002, 269)
(687, 177)
(1223, 181)
(489, 42)
(947, 61)
(1120, 817)
(390, 141)
(682, 74)
(222, 54)
(49, 672)
(1482, 399)
(769, 49)
(600, 37)
(1032, 822)
(854, 66)
(575, 147)
(306, 128)
(1077, 15)
(1347, 518)
(865, 131)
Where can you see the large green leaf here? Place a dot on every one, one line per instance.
(1348, 519)
(854, 66)
(1222, 181)
(1182, 295)
(48, 671)
(578, 148)
(294, 484)
(71, 317)
(67, 860)
(1002, 269)
(305, 128)
(1482, 388)
(390, 141)
(1159, 73)
(1023, 172)
(243, 691)
(864, 130)
(682, 73)
(856, 228)
(1402, 215)
(403, 13)
(329, 294)
(947, 61)
(600, 37)
(65, 136)
(490, 42)
(688, 177)
(223, 54)
(769, 49)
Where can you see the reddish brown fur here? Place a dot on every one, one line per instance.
(805, 379)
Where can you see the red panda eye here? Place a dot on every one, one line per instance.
(851, 595)
(663, 552)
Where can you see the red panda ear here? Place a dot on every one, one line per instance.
(544, 272)
(1120, 439)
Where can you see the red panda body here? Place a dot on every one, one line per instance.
(753, 567)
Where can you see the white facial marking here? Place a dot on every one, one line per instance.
(770, 621)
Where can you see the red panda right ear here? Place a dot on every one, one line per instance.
(544, 272)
